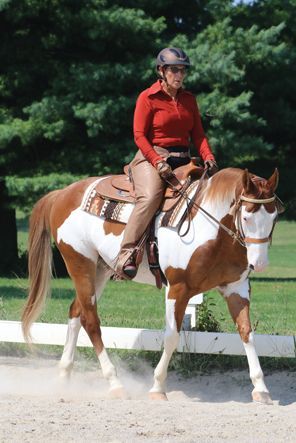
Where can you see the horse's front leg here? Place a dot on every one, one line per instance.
(175, 309)
(239, 309)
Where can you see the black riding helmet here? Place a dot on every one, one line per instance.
(172, 56)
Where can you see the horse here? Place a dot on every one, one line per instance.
(226, 238)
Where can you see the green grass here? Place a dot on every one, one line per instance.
(273, 302)
(128, 304)
(22, 221)
(125, 304)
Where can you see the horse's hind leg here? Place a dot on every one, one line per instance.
(89, 281)
(74, 325)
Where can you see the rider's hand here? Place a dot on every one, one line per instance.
(164, 170)
(211, 166)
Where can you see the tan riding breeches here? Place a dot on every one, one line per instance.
(149, 189)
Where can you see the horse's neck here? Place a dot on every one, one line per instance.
(217, 206)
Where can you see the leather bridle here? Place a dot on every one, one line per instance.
(237, 235)
(261, 201)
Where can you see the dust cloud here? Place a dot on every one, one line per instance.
(35, 406)
(39, 377)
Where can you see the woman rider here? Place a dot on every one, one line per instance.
(166, 119)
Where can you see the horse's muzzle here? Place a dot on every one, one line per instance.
(258, 267)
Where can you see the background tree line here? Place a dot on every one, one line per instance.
(71, 71)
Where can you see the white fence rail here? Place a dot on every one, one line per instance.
(152, 340)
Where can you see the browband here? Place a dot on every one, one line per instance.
(257, 200)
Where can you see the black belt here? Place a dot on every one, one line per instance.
(178, 151)
(177, 148)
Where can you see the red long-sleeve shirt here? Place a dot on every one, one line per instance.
(159, 120)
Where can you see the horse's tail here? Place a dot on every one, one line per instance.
(39, 260)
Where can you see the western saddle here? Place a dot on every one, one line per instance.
(120, 187)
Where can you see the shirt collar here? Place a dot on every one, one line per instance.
(156, 87)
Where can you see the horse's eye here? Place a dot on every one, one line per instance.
(246, 216)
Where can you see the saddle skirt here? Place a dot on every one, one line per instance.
(113, 197)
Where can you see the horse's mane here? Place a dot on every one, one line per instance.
(224, 186)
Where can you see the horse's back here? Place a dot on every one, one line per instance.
(67, 200)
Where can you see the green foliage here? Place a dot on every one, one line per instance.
(273, 83)
(291, 209)
(223, 56)
(64, 92)
(72, 71)
(3, 312)
(25, 191)
(206, 320)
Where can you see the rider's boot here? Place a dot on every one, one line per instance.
(130, 268)
(126, 264)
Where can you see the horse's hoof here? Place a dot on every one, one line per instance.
(64, 375)
(158, 396)
(262, 397)
(118, 393)
(65, 370)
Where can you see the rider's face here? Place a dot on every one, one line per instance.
(175, 75)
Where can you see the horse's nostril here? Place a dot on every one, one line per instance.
(251, 267)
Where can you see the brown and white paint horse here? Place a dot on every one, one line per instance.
(206, 257)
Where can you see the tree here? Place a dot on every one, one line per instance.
(71, 72)
(274, 89)
(67, 98)
(224, 55)
(69, 76)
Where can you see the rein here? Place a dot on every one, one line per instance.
(239, 234)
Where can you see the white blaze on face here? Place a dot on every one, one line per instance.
(257, 225)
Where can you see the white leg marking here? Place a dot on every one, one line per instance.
(171, 339)
(67, 359)
(256, 373)
(109, 371)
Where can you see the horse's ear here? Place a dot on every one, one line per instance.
(273, 181)
(247, 182)
(246, 179)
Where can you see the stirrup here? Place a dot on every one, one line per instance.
(130, 268)
(124, 269)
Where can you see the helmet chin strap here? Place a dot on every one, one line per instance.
(164, 79)
(162, 75)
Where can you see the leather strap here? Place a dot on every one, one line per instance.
(152, 255)
(256, 240)
(261, 201)
(179, 154)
